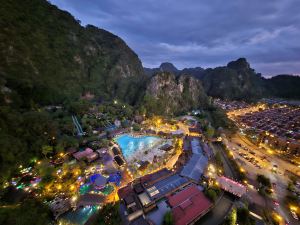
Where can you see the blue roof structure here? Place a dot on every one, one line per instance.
(195, 167)
(115, 178)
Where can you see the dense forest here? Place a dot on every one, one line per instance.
(48, 58)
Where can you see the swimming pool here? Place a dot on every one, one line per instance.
(129, 144)
(78, 217)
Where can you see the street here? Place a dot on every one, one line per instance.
(253, 161)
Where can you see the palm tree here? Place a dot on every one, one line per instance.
(46, 149)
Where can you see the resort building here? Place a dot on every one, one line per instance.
(189, 205)
(59, 206)
(195, 167)
(232, 186)
(83, 154)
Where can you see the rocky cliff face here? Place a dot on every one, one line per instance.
(46, 56)
(234, 81)
(168, 94)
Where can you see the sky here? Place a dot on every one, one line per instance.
(205, 33)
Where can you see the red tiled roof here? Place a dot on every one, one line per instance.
(188, 204)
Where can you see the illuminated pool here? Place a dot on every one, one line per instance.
(129, 144)
(78, 217)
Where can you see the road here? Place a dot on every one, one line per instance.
(225, 203)
(243, 150)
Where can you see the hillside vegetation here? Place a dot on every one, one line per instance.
(237, 81)
(48, 58)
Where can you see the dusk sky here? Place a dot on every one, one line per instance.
(206, 33)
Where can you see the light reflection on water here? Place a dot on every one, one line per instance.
(78, 217)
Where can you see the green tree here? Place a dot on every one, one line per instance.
(28, 212)
(168, 218)
(210, 131)
(109, 215)
(46, 149)
(231, 218)
(243, 217)
(265, 181)
(211, 194)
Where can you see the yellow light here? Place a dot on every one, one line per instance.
(270, 151)
(61, 154)
(277, 216)
(39, 162)
(72, 187)
(116, 197)
(59, 186)
(74, 198)
(212, 168)
(293, 208)
(242, 170)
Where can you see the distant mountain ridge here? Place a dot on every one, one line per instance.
(238, 81)
(168, 94)
(196, 72)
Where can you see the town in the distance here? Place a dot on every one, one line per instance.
(94, 132)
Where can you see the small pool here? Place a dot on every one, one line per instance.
(80, 216)
(129, 144)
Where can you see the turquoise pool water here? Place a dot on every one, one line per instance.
(80, 216)
(129, 144)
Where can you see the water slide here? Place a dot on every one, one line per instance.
(77, 125)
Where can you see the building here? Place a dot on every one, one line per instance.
(88, 154)
(166, 147)
(119, 161)
(188, 205)
(232, 186)
(196, 165)
(59, 206)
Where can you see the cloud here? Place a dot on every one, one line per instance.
(203, 33)
(264, 35)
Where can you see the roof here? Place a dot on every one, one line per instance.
(153, 177)
(138, 188)
(188, 205)
(90, 199)
(129, 199)
(82, 154)
(144, 198)
(196, 148)
(92, 156)
(119, 160)
(116, 151)
(232, 186)
(100, 181)
(140, 221)
(166, 186)
(166, 147)
(195, 167)
(123, 192)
